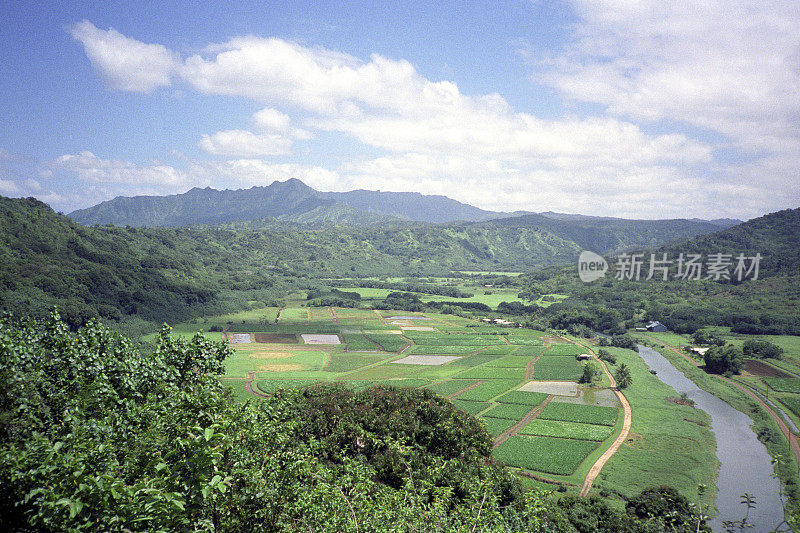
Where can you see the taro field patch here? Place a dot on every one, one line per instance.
(559, 456)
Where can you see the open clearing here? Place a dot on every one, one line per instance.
(561, 388)
(311, 338)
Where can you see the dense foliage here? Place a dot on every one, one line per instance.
(724, 359)
(96, 436)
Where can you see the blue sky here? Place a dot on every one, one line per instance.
(635, 109)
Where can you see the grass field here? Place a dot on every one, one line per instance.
(670, 444)
(783, 384)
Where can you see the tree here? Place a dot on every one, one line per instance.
(724, 359)
(761, 349)
(590, 373)
(623, 376)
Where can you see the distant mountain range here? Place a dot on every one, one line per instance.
(294, 201)
(166, 272)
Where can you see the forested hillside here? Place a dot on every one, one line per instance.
(767, 305)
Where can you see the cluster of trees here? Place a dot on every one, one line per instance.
(94, 435)
(620, 341)
(727, 360)
(708, 338)
(761, 349)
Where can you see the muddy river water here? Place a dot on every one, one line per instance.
(745, 464)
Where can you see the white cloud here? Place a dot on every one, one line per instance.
(241, 143)
(92, 169)
(9, 187)
(123, 62)
(644, 61)
(732, 67)
(270, 119)
(250, 172)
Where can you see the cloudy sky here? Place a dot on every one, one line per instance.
(637, 109)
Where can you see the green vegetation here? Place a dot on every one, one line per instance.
(522, 397)
(724, 359)
(495, 426)
(584, 414)
(557, 368)
(469, 406)
(540, 453)
(487, 391)
(783, 384)
(571, 430)
(509, 411)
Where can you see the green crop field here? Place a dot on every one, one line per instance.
(470, 407)
(549, 368)
(294, 314)
(509, 411)
(496, 426)
(525, 340)
(529, 350)
(454, 339)
(473, 360)
(511, 361)
(441, 350)
(783, 384)
(545, 454)
(446, 388)
(356, 342)
(268, 386)
(584, 414)
(487, 391)
(572, 430)
(389, 342)
(565, 349)
(487, 372)
(793, 403)
(348, 362)
(497, 350)
(523, 397)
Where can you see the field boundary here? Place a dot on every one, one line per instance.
(594, 471)
(513, 430)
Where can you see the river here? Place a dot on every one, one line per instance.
(745, 464)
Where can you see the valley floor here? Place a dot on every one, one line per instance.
(523, 384)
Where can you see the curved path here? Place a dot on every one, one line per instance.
(626, 427)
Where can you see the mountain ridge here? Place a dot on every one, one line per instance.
(294, 201)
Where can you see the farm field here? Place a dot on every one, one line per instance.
(483, 369)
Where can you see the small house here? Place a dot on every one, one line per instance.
(656, 327)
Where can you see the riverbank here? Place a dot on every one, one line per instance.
(763, 425)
